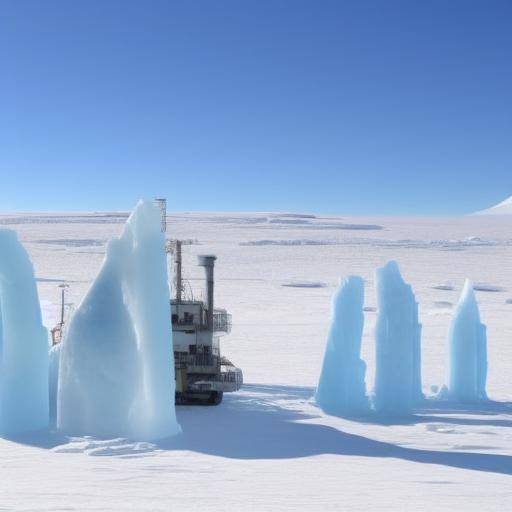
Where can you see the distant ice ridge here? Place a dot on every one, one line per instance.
(503, 208)
(398, 344)
(341, 388)
(116, 375)
(441, 245)
(23, 343)
(467, 373)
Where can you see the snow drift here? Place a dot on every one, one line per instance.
(116, 375)
(398, 344)
(467, 369)
(341, 388)
(23, 343)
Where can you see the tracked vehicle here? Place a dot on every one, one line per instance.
(202, 374)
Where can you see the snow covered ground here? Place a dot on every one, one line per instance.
(268, 447)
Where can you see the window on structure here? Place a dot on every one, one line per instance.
(192, 349)
(188, 318)
(175, 318)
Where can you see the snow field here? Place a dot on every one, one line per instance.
(269, 447)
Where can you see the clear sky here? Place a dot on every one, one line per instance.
(342, 106)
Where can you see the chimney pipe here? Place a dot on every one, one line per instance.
(208, 262)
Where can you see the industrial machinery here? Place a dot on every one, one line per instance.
(202, 374)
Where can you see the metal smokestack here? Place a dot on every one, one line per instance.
(208, 262)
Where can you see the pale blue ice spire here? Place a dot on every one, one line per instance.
(341, 388)
(397, 343)
(467, 369)
(116, 367)
(23, 343)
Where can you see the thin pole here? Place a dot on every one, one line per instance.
(62, 297)
(178, 271)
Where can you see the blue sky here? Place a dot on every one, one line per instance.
(350, 107)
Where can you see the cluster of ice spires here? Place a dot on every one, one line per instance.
(398, 386)
(113, 373)
(116, 369)
(23, 343)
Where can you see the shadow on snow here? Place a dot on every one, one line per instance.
(254, 425)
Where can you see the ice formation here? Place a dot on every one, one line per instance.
(23, 343)
(53, 380)
(341, 388)
(467, 372)
(116, 375)
(398, 344)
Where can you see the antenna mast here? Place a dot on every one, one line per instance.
(62, 287)
(171, 246)
(177, 261)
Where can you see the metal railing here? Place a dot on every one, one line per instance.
(221, 321)
(182, 358)
(230, 376)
